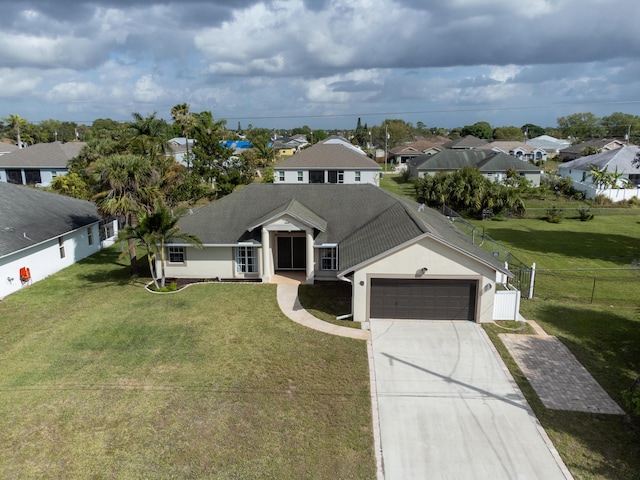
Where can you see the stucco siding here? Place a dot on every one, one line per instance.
(441, 262)
(208, 262)
(45, 259)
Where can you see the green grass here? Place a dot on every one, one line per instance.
(102, 379)
(600, 326)
(395, 183)
(328, 300)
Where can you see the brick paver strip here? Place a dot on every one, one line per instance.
(560, 381)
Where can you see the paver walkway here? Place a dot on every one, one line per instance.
(560, 381)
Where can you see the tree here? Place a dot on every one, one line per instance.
(71, 185)
(152, 231)
(478, 130)
(264, 150)
(147, 135)
(125, 184)
(17, 124)
(622, 125)
(529, 130)
(581, 126)
(185, 119)
(508, 134)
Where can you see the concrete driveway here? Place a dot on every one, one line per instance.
(449, 410)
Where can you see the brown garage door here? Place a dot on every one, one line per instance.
(423, 299)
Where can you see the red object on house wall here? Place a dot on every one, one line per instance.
(25, 274)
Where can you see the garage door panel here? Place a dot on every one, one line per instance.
(428, 299)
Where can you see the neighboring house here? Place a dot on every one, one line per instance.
(493, 165)
(620, 161)
(177, 148)
(238, 146)
(465, 143)
(8, 148)
(549, 144)
(401, 154)
(519, 150)
(601, 144)
(287, 146)
(403, 260)
(38, 164)
(41, 233)
(330, 161)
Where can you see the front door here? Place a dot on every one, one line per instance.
(292, 253)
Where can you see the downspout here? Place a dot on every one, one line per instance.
(347, 315)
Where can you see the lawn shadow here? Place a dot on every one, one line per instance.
(107, 268)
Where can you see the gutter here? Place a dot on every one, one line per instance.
(347, 315)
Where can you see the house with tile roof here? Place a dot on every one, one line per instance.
(38, 164)
(468, 142)
(519, 150)
(402, 260)
(621, 161)
(549, 144)
(493, 165)
(41, 233)
(401, 154)
(331, 161)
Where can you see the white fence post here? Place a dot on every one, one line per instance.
(533, 280)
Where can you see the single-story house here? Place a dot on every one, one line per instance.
(38, 164)
(41, 233)
(493, 165)
(401, 154)
(519, 150)
(177, 148)
(549, 144)
(601, 144)
(467, 142)
(330, 161)
(8, 147)
(621, 161)
(402, 260)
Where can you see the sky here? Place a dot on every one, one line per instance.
(321, 63)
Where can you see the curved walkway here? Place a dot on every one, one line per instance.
(290, 306)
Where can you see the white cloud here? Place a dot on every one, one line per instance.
(147, 90)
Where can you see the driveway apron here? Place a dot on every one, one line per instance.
(448, 409)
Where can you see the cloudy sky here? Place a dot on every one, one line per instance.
(321, 63)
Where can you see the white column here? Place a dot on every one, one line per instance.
(310, 257)
(267, 270)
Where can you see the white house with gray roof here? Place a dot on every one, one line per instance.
(38, 164)
(402, 260)
(331, 161)
(41, 233)
(620, 161)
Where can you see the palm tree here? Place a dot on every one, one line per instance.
(185, 119)
(125, 184)
(264, 150)
(153, 231)
(17, 124)
(148, 135)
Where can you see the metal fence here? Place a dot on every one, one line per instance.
(522, 273)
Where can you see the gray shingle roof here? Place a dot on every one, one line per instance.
(328, 155)
(29, 216)
(363, 220)
(620, 159)
(42, 155)
(449, 159)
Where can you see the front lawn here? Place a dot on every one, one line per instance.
(102, 379)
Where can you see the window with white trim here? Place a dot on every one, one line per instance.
(340, 176)
(358, 175)
(61, 247)
(329, 258)
(176, 254)
(90, 236)
(281, 176)
(246, 260)
(300, 177)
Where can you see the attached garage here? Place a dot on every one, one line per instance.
(423, 299)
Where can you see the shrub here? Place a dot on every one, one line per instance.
(554, 214)
(585, 214)
(603, 200)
